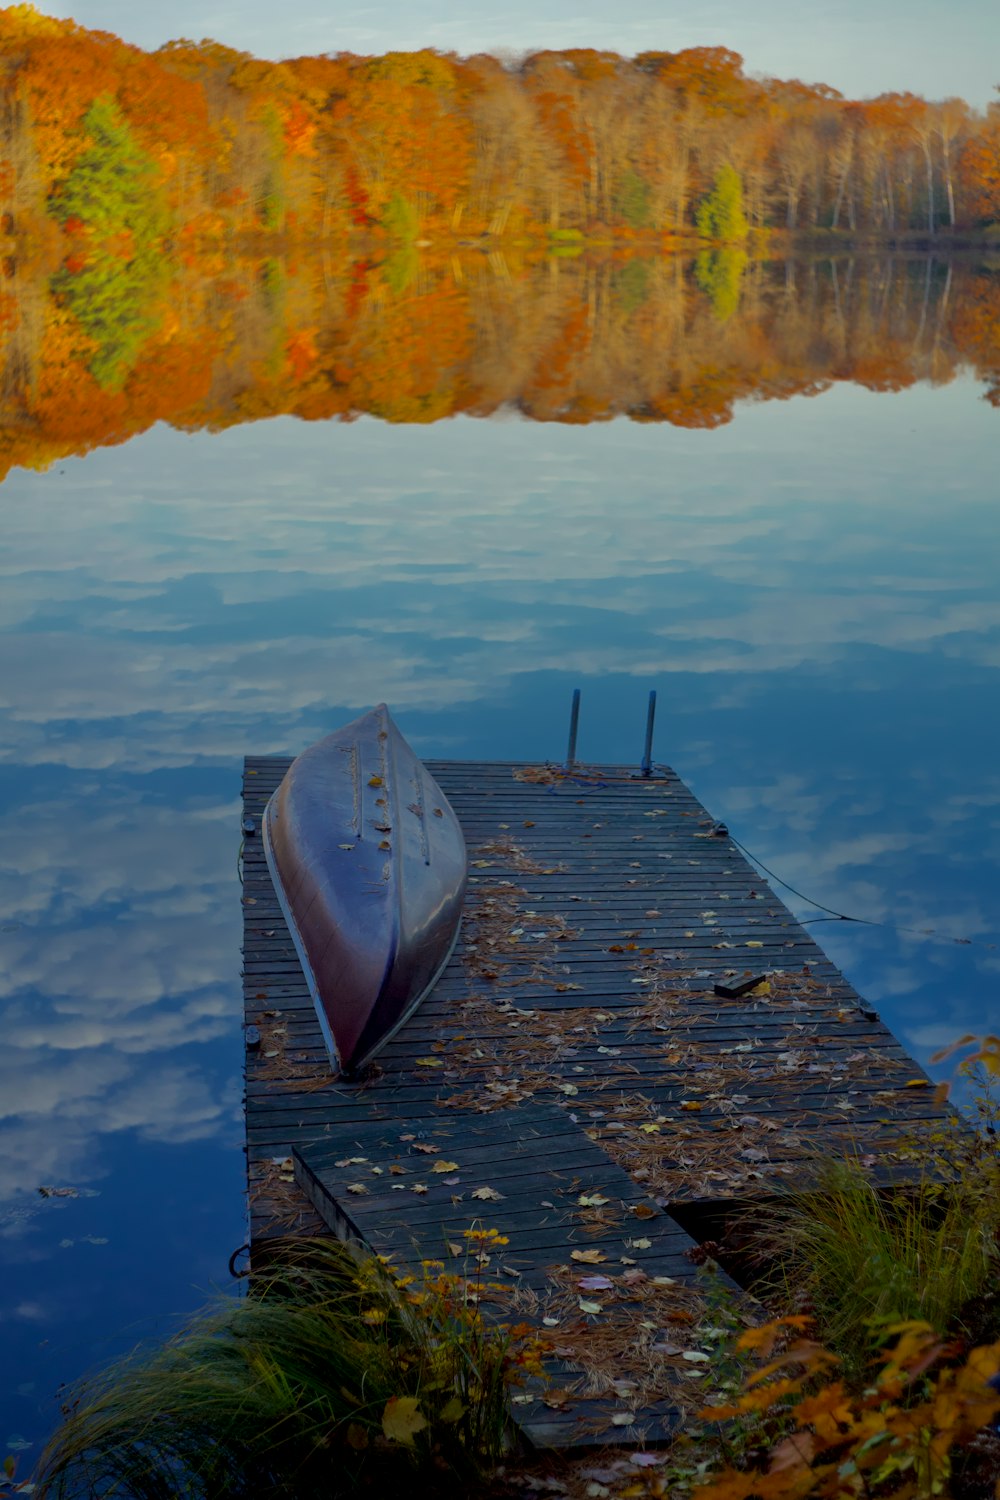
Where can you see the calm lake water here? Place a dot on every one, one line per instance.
(814, 591)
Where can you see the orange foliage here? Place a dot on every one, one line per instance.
(979, 172)
(897, 1437)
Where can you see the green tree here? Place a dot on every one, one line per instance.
(632, 199)
(719, 274)
(720, 213)
(113, 184)
(114, 191)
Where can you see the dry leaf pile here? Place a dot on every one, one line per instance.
(633, 1338)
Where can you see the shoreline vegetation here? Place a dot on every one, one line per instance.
(860, 1358)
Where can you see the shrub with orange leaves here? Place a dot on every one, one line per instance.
(899, 1436)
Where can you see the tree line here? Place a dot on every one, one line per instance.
(107, 144)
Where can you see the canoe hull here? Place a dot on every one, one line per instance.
(369, 865)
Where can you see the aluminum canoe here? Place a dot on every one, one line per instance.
(369, 865)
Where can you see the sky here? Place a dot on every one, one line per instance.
(862, 47)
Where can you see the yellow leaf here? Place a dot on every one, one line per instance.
(429, 1062)
(356, 1187)
(403, 1419)
(452, 1410)
(488, 1193)
(589, 1257)
(445, 1166)
(753, 945)
(691, 1104)
(375, 781)
(918, 1083)
(591, 1200)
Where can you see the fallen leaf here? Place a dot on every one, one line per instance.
(642, 1244)
(356, 1187)
(592, 1200)
(794, 1453)
(488, 1193)
(753, 945)
(429, 1062)
(422, 1146)
(590, 1307)
(418, 1187)
(589, 1257)
(695, 1356)
(377, 781)
(403, 1419)
(445, 1166)
(643, 1211)
(595, 1284)
(691, 1105)
(623, 1419)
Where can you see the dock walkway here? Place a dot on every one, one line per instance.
(633, 1028)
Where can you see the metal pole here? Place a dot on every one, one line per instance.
(574, 720)
(647, 754)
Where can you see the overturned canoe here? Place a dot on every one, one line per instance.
(369, 865)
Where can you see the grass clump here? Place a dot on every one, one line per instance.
(859, 1256)
(333, 1377)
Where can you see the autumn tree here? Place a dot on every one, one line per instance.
(720, 214)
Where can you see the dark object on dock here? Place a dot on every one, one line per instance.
(734, 991)
(369, 865)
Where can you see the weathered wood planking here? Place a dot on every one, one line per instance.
(650, 896)
(410, 1196)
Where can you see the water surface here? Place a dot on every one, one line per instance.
(813, 590)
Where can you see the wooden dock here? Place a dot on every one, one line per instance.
(633, 1030)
